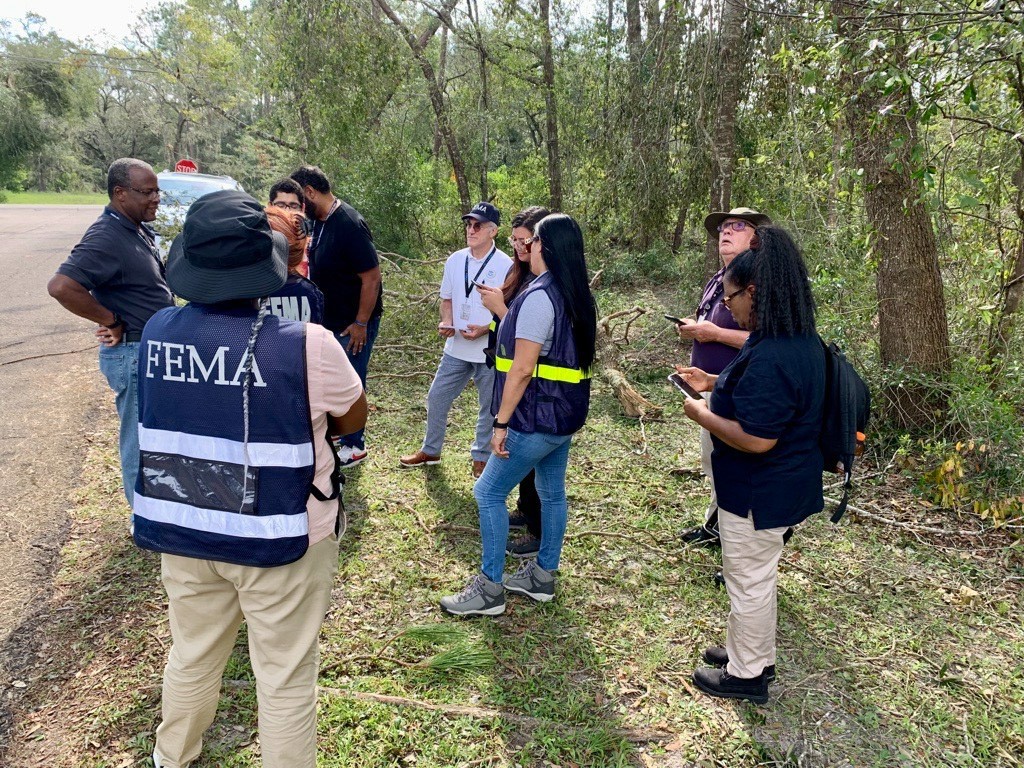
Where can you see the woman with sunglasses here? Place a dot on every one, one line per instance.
(764, 417)
(497, 300)
(716, 337)
(544, 355)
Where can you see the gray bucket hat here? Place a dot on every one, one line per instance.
(747, 214)
(226, 251)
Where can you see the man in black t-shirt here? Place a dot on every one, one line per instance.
(114, 277)
(344, 266)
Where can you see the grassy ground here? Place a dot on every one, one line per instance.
(54, 198)
(899, 643)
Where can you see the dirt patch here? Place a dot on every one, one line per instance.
(50, 420)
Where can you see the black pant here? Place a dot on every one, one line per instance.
(529, 504)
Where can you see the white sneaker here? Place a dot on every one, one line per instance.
(350, 457)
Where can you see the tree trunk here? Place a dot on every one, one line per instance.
(442, 65)
(731, 56)
(444, 127)
(912, 327)
(550, 107)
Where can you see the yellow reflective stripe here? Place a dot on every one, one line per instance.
(545, 371)
(493, 326)
(558, 373)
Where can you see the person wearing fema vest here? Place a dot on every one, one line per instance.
(464, 325)
(543, 363)
(238, 487)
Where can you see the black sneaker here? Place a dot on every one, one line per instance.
(516, 521)
(524, 547)
(716, 656)
(700, 537)
(718, 682)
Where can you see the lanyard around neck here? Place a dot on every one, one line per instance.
(469, 283)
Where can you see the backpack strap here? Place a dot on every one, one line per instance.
(337, 478)
(847, 484)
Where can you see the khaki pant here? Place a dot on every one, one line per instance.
(706, 447)
(284, 608)
(750, 565)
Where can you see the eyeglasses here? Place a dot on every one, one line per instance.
(730, 296)
(287, 206)
(473, 225)
(735, 226)
(524, 242)
(147, 192)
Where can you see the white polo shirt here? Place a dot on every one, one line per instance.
(461, 269)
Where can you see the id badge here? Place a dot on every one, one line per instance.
(464, 311)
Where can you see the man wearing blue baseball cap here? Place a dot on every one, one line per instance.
(464, 325)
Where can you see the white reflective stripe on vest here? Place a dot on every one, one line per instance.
(227, 451)
(215, 521)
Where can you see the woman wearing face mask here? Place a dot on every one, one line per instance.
(498, 300)
(764, 417)
(543, 359)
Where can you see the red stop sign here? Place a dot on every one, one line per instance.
(186, 166)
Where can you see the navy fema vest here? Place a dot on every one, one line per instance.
(192, 496)
(298, 299)
(557, 399)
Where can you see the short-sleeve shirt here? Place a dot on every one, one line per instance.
(461, 269)
(713, 356)
(118, 263)
(298, 299)
(775, 389)
(340, 249)
(536, 320)
(333, 387)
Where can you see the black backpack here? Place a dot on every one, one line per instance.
(844, 420)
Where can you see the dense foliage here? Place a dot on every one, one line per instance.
(885, 134)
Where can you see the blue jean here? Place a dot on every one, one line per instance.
(120, 365)
(451, 378)
(549, 456)
(361, 362)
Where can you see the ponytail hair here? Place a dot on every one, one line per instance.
(561, 243)
(783, 302)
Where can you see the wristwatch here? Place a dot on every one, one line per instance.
(117, 321)
(499, 424)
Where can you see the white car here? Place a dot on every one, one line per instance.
(177, 193)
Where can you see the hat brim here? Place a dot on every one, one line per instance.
(477, 217)
(717, 217)
(211, 286)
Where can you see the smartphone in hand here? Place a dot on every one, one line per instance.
(680, 383)
(674, 319)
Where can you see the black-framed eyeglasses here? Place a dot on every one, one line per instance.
(730, 296)
(288, 206)
(147, 192)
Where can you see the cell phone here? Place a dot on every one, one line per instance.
(680, 383)
(446, 327)
(480, 285)
(674, 319)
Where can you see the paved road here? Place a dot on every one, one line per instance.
(51, 396)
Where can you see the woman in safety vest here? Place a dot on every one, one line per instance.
(543, 362)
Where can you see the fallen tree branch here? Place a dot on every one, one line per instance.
(860, 512)
(632, 735)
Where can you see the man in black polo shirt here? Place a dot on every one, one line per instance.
(344, 266)
(114, 277)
